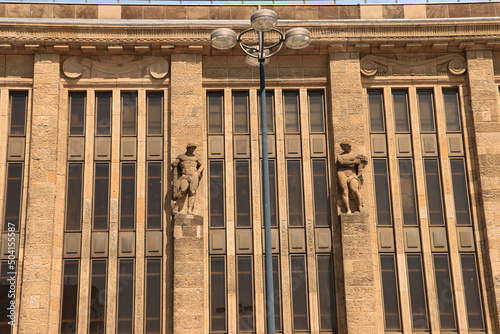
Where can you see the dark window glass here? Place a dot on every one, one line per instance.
(390, 291)
(245, 294)
(417, 294)
(129, 113)
(426, 109)
(215, 120)
(294, 174)
(69, 297)
(13, 195)
(125, 296)
(5, 274)
(240, 112)
(97, 316)
(217, 294)
(400, 99)
(101, 196)
(77, 113)
(299, 293)
(433, 183)
(18, 107)
(460, 191)
(321, 199)
(153, 296)
(450, 97)
(103, 113)
(74, 197)
(155, 195)
(242, 187)
(407, 192)
(277, 293)
(127, 204)
(291, 104)
(155, 113)
(376, 105)
(382, 192)
(272, 192)
(472, 294)
(316, 114)
(216, 193)
(444, 292)
(326, 293)
(269, 111)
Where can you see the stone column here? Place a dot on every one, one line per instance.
(42, 256)
(486, 128)
(357, 233)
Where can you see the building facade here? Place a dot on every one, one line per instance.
(96, 102)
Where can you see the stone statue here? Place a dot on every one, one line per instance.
(190, 169)
(349, 171)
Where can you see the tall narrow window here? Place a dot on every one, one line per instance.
(450, 97)
(407, 192)
(129, 114)
(74, 197)
(417, 294)
(444, 292)
(384, 216)
(400, 100)
(294, 174)
(291, 104)
(376, 105)
(272, 192)
(326, 293)
(390, 292)
(101, 196)
(245, 294)
(218, 294)
(321, 200)
(426, 109)
(127, 203)
(5, 275)
(269, 111)
(277, 292)
(18, 108)
(155, 113)
(472, 295)
(103, 113)
(97, 315)
(240, 112)
(316, 114)
(153, 296)
(460, 191)
(69, 296)
(299, 293)
(13, 195)
(77, 113)
(433, 183)
(214, 102)
(216, 199)
(125, 296)
(242, 187)
(155, 196)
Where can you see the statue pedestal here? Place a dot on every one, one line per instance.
(188, 279)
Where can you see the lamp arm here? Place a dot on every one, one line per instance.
(245, 47)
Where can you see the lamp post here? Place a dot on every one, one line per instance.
(263, 20)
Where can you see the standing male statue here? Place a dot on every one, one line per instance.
(190, 169)
(350, 167)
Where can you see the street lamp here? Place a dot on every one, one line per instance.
(263, 20)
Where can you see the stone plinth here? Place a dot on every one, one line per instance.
(188, 274)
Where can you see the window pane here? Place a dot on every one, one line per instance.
(382, 192)
(77, 113)
(460, 191)
(426, 109)
(101, 196)
(18, 107)
(390, 292)
(4, 297)
(450, 97)
(376, 106)
(103, 114)
(153, 296)
(129, 113)
(407, 192)
(125, 296)
(155, 113)
(215, 123)
(98, 297)
(217, 294)
(13, 195)
(240, 112)
(277, 292)
(74, 197)
(269, 111)
(245, 294)
(417, 294)
(433, 183)
(472, 295)
(272, 192)
(326, 286)
(316, 114)
(127, 204)
(444, 292)
(321, 199)
(242, 188)
(400, 98)
(155, 196)
(216, 193)
(299, 293)
(291, 104)
(69, 297)
(294, 174)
